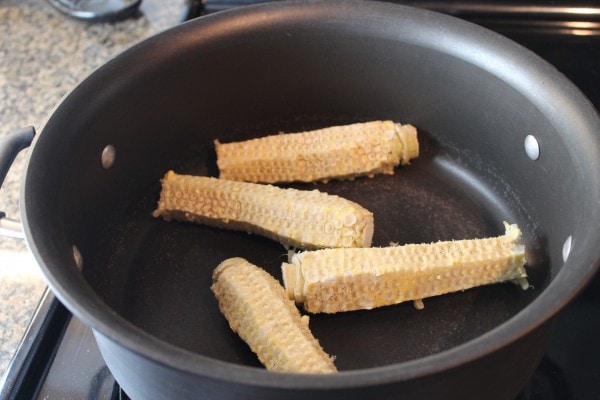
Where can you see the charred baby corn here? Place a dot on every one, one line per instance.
(298, 218)
(339, 152)
(258, 310)
(334, 280)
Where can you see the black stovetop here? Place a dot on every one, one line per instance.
(59, 359)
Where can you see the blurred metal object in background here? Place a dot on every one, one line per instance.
(97, 10)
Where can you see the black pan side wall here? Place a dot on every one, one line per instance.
(497, 377)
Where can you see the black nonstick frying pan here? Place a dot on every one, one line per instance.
(503, 135)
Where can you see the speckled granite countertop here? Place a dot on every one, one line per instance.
(43, 56)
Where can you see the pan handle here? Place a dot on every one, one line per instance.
(10, 146)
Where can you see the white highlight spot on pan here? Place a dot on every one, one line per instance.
(108, 156)
(532, 147)
(78, 258)
(566, 249)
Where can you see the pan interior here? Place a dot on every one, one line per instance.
(160, 272)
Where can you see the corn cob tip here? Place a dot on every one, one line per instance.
(169, 175)
(410, 143)
(292, 281)
(512, 231)
(230, 262)
(158, 213)
(523, 283)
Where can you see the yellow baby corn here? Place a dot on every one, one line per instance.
(339, 152)
(298, 218)
(334, 280)
(258, 310)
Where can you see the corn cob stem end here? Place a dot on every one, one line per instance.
(410, 143)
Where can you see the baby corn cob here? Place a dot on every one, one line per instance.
(339, 152)
(334, 280)
(298, 218)
(258, 310)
